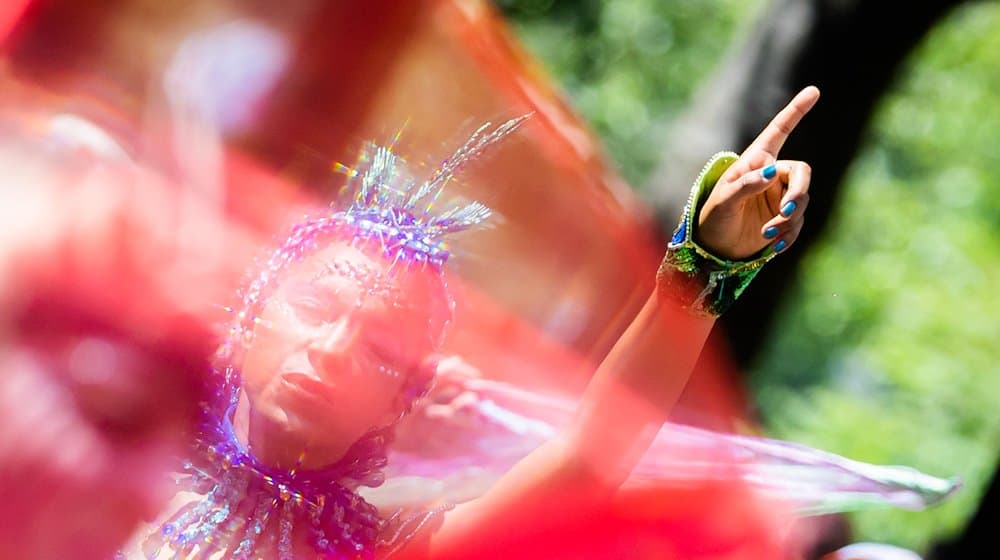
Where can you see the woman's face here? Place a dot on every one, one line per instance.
(335, 343)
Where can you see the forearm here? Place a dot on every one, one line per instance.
(625, 404)
(635, 388)
(638, 383)
(543, 492)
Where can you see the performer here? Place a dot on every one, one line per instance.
(334, 340)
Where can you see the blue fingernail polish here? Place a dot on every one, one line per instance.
(771, 232)
(788, 208)
(779, 246)
(769, 172)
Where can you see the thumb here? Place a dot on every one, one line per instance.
(755, 181)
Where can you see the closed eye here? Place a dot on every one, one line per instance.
(380, 346)
(311, 311)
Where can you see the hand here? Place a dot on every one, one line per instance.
(451, 397)
(754, 204)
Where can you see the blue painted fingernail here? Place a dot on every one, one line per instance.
(780, 246)
(769, 172)
(788, 208)
(771, 232)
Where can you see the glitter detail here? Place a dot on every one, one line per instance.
(401, 527)
(371, 282)
(285, 531)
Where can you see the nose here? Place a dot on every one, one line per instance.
(331, 348)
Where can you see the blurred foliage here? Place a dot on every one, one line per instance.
(887, 349)
(629, 66)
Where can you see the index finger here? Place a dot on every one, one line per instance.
(773, 137)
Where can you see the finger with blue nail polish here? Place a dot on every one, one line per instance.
(788, 235)
(796, 175)
(788, 208)
(771, 232)
(754, 182)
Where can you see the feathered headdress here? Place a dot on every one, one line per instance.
(404, 217)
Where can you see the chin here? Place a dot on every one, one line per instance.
(321, 426)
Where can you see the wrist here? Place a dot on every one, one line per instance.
(690, 275)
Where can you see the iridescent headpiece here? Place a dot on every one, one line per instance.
(390, 213)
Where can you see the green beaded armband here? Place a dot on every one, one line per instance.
(691, 276)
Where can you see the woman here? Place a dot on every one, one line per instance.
(335, 341)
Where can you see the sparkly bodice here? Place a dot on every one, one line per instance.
(248, 509)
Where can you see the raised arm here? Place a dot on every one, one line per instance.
(753, 211)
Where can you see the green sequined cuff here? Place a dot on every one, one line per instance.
(691, 276)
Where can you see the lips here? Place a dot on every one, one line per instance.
(309, 386)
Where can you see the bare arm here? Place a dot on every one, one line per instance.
(640, 380)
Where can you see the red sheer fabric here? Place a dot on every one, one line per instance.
(541, 296)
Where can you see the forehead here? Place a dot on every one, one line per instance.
(358, 278)
(408, 304)
(344, 270)
(362, 280)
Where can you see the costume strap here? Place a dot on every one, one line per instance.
(694, 278)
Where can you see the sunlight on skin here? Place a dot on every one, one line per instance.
(331, 353)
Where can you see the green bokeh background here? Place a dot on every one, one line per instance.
(887, 349)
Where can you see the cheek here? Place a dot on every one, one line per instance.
(264, 356)
(376, 402)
